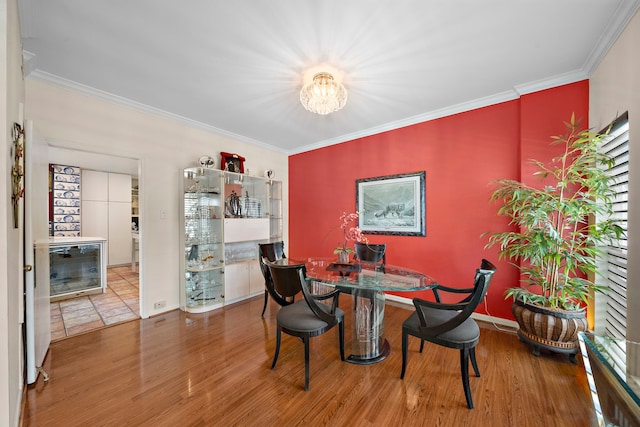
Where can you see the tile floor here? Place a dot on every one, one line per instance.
(119, 304)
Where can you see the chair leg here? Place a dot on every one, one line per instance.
(341, 338)
(464, 367)
(264, 307)
(405, 344)
(472, 353)
(421, 345)
(306, 363)
(275, 356)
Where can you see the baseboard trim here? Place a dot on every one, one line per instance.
(407, 303)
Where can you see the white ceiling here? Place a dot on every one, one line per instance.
(236, 67)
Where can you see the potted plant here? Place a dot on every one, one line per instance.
(349, 233)
(556, 239)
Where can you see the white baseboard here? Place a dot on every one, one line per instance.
(408, 304)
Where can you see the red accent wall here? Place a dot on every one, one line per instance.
(461, 154)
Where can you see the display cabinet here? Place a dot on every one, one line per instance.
(77, 267)
(275, 210)
(202, 261)
(225, 215)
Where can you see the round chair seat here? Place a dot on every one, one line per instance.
(299, 317)
(464, 335)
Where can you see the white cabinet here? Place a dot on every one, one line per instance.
(256, 280)
(107, 198)
(242, 279)
(236, 281)
(120, 233)
(95, 221)
(95, 185)
(119, 187)
(245, 229)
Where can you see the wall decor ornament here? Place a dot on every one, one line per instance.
(206, 162)
(393, 204)
(17, 171)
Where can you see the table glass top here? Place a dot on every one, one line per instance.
(393, 278)
(613, 371)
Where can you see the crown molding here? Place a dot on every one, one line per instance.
(548, 83)
(498, 98)
(618, 23)
(116, 99)
(505, 96)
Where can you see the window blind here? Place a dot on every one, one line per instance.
(614, 311)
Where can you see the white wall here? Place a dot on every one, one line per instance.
(614, 89)
(11, 260)
(74, 120)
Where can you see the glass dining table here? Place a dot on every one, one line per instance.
(366, 283)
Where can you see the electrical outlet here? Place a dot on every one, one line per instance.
(159, 304)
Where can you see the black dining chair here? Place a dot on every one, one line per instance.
(370, 252)
(272, 252)
(450, 324)
(308, 317)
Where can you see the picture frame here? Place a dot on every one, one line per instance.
(393, 204)
(231, 162)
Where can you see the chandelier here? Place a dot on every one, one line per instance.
(323, 95)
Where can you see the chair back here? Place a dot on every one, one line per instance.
(370, 252)
(466, 307)
(272, 251)
(288, 280)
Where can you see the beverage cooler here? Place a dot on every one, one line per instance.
(77, 266)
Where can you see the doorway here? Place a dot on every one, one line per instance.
(121, 300)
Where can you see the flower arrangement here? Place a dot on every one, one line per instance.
(349, 233)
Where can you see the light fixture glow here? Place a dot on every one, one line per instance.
(323, 95)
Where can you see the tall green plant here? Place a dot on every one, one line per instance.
(557, 239)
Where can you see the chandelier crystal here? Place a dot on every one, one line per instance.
(323, 95)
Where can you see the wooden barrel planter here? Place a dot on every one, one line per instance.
(553, 329)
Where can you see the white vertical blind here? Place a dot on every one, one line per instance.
(614, 311)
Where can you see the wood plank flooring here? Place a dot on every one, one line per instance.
(213, 369)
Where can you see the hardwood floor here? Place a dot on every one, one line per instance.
(213, 369)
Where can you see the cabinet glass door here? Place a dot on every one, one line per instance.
(203, 239)
(74, 270)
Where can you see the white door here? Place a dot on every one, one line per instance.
(36, 232)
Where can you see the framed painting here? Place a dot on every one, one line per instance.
(393, 204)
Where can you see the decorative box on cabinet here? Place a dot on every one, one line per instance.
(227, 215)
(77, 266)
